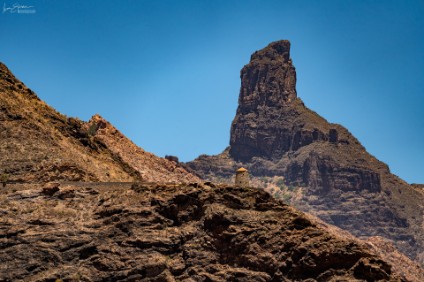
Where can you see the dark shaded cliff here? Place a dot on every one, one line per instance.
(318, 166)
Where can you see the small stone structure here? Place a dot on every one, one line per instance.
(242, 177)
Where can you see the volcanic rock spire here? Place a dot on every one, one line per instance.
(269, 120)
(324, 169)
(269, 78)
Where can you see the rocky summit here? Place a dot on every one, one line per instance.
(38, 144)
(319, 167)
(173, 232)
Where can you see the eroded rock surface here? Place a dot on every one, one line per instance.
(172, 232)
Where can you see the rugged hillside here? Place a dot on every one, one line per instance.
(159, 232)
(39, 144)
(149, 166)
(317, 166)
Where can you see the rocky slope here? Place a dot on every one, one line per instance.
(39, 144)
(172, 232)
(318, 166)
(418, 186)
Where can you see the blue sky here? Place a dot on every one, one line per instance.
(166, 73)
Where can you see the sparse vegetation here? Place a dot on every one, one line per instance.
(92, 130)
(280, 182)
(286, 198)
(278, 195)
(4, 178)
(291, 188)
(265, 180)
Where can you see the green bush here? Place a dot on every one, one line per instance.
(4, 178)
(264, 179)
(280, 182)
(286, 198)
(92, 130)
(278, 195)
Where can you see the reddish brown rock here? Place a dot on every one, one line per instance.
(51, 188)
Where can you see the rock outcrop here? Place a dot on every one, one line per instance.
(318, 166)
(38, 144)
(172, 232)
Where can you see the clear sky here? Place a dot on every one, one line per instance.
(166, 73)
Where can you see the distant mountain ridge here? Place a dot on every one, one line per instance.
(39, 144)
(318, 166)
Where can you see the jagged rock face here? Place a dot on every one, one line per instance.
(274, 135)
(38, 144)
(267, 82)
(159, 232)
